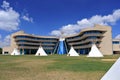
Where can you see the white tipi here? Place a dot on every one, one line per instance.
(94, 52)
(15, 52)
(114, 72)
(40, 52)
(72, 52)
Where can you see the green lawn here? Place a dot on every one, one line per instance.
(53, 67)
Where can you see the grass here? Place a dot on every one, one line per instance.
(53, 67)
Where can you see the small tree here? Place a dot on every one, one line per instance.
(0, 50)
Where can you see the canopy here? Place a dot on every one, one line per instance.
(15, 52)
(40, 52)
(94, 52)
(72, 52)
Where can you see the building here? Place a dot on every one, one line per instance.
(82, 42)
(116, 46)
(101, 35)
(28, 44)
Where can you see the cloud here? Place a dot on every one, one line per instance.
(27, 18)
(5, 5)
(56, 32)
(9, 21)
(9, 18)
(118, 36)
(5, 41)
(69, 29)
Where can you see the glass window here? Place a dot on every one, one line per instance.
(116, 42)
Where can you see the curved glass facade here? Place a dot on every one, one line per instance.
(29, 44)
(83, 41)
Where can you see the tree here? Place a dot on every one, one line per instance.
(0, 50)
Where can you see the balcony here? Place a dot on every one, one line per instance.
(34, 43)
(34, 40)
(84, 36)
(85, 46)
(83, 42)
(30, 47)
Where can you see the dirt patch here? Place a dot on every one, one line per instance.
(108, 59)
(74, 75)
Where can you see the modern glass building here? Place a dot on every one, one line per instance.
(29, 44)
(82, 42)
(100, 35)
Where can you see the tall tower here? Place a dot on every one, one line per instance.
(62, 47)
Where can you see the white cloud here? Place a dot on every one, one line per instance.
(118, 36)
(5, 41)
(9, 21)
(56, 33)
(9, 18)
(5, 5)
(69, 29)
(27, 18)
(65, 30)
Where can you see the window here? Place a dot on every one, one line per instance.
(116, 42)
(6, 52)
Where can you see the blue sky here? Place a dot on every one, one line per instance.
(50, 17)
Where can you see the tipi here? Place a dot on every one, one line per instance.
(94, 52)
(114, 72)
(15, 52)
(40, 52)
(72, 52)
